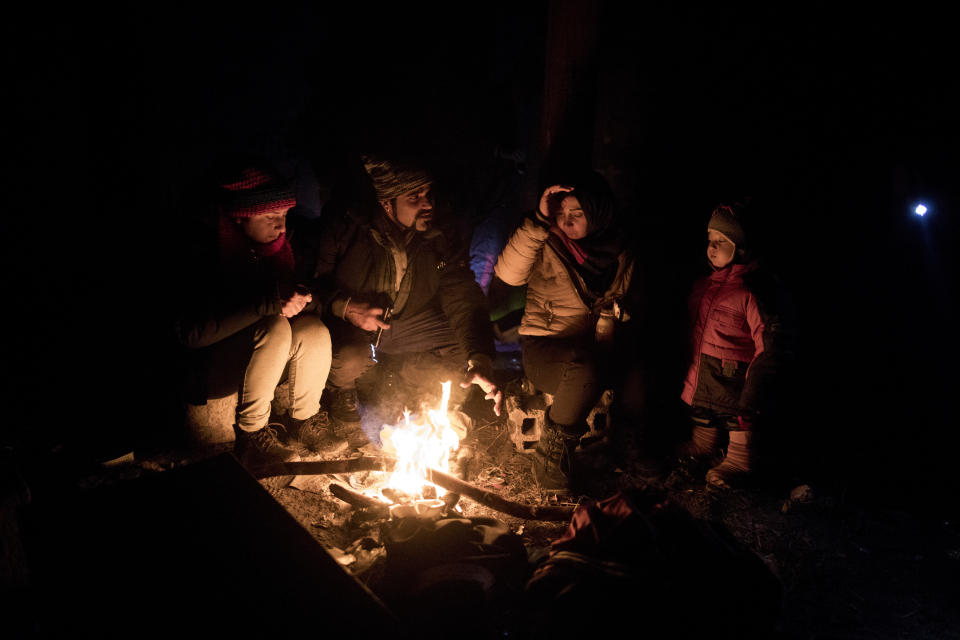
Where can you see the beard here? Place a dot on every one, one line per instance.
(423, 220)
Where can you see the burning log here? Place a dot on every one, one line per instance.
(418, 457)
(360, 501)
(492, 500)
(447, 481)
(391, 494)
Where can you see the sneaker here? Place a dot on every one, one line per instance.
(345, 408)
(262, 447)
(316, 434)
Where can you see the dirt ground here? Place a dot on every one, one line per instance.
(847, 570)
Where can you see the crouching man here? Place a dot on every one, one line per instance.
(397, 284)
(246, 321)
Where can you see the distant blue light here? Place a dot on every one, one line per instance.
(920, 210)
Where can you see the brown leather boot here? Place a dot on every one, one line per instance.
(553, 457)
(737, 464)
(260, 448)
(317, 434)
(702, 445)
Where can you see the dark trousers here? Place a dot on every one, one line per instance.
(704, 417)
(568, 368)
(424, 341)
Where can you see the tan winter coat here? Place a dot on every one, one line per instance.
(554, 308)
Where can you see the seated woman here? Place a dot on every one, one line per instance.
(244, 319)
(572, 256)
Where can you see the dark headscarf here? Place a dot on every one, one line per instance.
(604, 241)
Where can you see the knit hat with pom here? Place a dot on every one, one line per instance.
(252, 191)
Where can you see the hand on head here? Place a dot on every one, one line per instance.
(543, 210)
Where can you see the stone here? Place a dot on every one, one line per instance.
(525, 416)
(212, 423)
(599, 417)
(526, 412)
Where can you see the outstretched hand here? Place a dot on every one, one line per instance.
(483, 380)
(364, 316)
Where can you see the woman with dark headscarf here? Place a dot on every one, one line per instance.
(572, 255)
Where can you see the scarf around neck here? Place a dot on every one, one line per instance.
(235, 246)
(595, 257)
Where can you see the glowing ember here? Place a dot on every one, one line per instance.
(418, 445)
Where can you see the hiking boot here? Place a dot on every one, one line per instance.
(316, 434)
(736, 465)
(353, 435)
(345, 408)
(262, 447)
(553, 458)
(702, 445)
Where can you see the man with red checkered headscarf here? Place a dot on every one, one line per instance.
(249, 322)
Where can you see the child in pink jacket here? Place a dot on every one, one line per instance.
(736, 348)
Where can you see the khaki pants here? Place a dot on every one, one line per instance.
(257, 359)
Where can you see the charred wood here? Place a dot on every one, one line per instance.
(447, 481)
(325, 467)
(360, 501)
(493, 501)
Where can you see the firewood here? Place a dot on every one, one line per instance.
(359, 500)
(325, 467)
(447, 481)
(492, 500)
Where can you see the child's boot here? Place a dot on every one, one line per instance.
(702, 444)
(737, 464)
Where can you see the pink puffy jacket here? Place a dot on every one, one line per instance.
(726, 323)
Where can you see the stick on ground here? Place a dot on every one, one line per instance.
(447, 481)
(360, 501)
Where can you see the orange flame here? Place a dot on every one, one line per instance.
(419, 445)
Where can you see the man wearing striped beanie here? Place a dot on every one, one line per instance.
(397, 283)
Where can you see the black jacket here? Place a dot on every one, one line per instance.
(355, 257)
(214, 301)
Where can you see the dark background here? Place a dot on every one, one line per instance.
(834, 122)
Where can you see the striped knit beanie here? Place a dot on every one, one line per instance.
(253, 191)
(393, 179)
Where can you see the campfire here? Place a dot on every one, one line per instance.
(419, 445)
(413, 478)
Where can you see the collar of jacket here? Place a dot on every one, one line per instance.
(732, 271)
